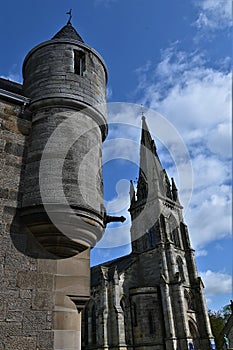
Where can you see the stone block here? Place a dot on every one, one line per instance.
(27, 280)
(42, 300)
(13, 259)
(2, 309)
(14, 316)
(18, 304)
(73, 285)
(66, 339)
(45, 340)
(34, 321)
(48, 266)
(14, 148)
(45, 282)
(25, 293)
(10, 329)
(20, 343)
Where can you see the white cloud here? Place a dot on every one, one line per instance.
(196, 98)
(220, 139)
(214, 14)
(209, 173)
(191, 95)
(210, 216)
(109, 92)
(216, 283)
(13, 74)
(116, 235)
(120, 204)
(202, 252)
(13, 77)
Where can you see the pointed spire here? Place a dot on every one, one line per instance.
(68, 31)
(174, 191)
(167, 185)
(132, 193)
(145, 135)
(146, 139)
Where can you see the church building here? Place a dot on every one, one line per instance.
(153, 298)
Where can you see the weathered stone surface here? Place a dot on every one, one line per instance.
(89, 88)
(14, 316)
(45, 340)
(20, 343)
(19, 277)
(36, 312)
(151, 299)
(10, 329)
(26, 280)
(43, 300)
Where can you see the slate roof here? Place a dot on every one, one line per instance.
(11, 86)
(122, 264)
(68, 32)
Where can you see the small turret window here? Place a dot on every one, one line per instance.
(79, 62)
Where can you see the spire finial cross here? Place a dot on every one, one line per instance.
(142, 110)
(70, 16)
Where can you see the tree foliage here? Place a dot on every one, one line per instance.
(218, 320)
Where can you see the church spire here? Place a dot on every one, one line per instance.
(132, 192)
(150, 166)
(155, 193)
(153, 181)
(174, 191)
(146, 139)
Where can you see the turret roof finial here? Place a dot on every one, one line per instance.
(70, 16)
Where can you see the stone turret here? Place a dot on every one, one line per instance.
(62, 201)
(52, 211)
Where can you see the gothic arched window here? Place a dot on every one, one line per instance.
(152, 237)
(189, 299)
(86, 325)
(180, 263)
(176, 238)
(163, 225)
(184, 235)
(93, 324)
(148, 238)
(151, 322)
(124, 306)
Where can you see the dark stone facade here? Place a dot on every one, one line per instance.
(153, 298)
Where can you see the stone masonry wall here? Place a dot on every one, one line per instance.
(26, 301)
(56, 61)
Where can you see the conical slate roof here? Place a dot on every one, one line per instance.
(68, 32)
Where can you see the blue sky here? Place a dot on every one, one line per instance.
(174, 57)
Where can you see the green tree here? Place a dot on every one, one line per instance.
(226, 312)
(217, 325)
(218, 320)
